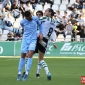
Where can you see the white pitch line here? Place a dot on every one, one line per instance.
(11, 59)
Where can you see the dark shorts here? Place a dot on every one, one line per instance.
(21, 2)
(40, 47)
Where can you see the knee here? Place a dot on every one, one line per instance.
(30, 54)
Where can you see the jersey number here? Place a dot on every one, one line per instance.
(50, 32)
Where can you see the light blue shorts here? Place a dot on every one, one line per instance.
(28, 44)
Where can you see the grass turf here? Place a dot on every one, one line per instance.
(64, 71)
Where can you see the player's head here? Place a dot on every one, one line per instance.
(28, 15)
(39, 13)
(49, 12)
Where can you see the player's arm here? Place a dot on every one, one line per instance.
(12, 29)
(53, 39)
(40, 28)
(19, 30)
(54, 45)
(53, 36)
(22, 26)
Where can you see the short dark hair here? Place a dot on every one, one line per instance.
(27, 13)
(39, 11)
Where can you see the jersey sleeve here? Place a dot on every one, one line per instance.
(53, 36)
(56, 22)
(38, 23)
(21, 23)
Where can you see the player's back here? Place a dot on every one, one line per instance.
(48, 25)
(30, 28)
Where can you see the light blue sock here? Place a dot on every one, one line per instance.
(21, 64)
(29, 64)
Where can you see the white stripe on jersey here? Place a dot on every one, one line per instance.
(48, 25)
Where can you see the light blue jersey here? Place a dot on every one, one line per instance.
(30, 34)
(30, 27)
(28, 42)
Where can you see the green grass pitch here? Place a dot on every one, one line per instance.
(65, 71)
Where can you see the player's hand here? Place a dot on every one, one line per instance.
(54, 45)
(40, 36)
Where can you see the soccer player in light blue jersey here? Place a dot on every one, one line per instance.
(29, 25)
